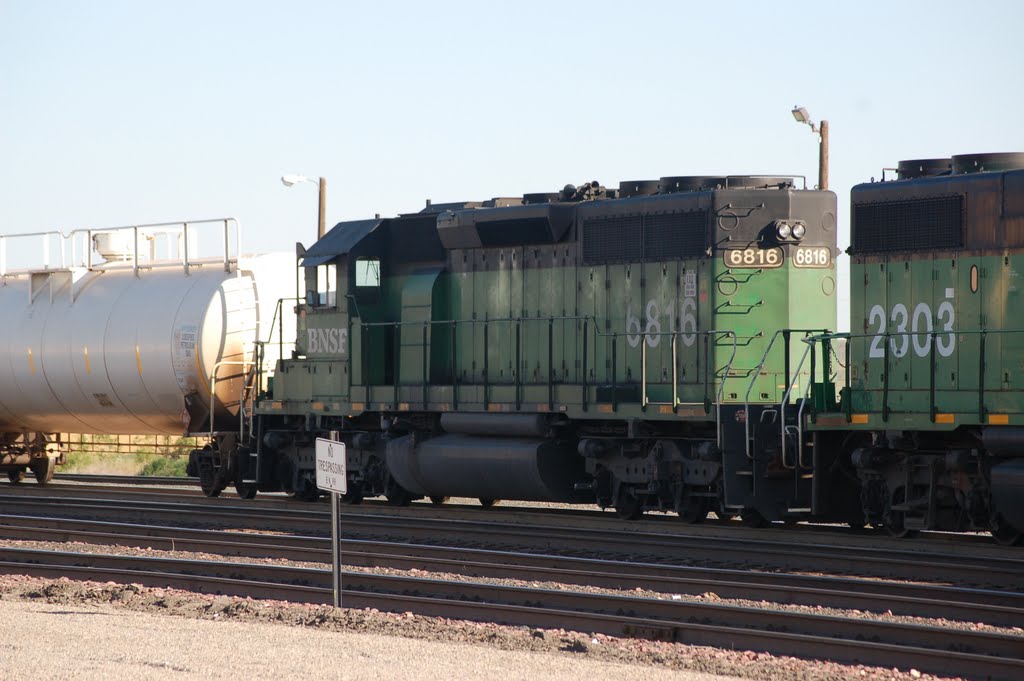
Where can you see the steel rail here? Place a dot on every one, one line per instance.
(127, 479)
(931, 649)
(998, 608)
(979, 569)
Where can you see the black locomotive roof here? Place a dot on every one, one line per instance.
(339, 241)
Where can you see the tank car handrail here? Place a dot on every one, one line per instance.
(68, 245)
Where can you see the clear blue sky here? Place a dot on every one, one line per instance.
(121, 112)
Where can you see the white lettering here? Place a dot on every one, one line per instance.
(920, 334)
(650, 330)
(330, 340)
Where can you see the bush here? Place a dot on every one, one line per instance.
(165, 466)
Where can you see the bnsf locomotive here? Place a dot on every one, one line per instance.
(668, 345)
(631, 348)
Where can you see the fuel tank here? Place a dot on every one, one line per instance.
(486, 467)
(125, 350)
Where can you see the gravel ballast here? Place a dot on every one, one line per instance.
(87, 630)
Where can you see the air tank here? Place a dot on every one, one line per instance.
(119, 348)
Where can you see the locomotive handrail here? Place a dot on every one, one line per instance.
(756, 372)
(790, 384)
(676, 403)
(932, 336)
(586, 320)
(213, 387)
(278, 319)
(75, 253)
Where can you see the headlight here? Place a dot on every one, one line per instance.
(799, 230)
(784, 230)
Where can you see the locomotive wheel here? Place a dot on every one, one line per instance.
(245, 491)
(308, 492)
(693, 509)
(753, 518)
(399, 498)
(629, 506)
(209, 487)
(1005, 534)
(16, 475)
(894, 520)
(438, 501)
(488, 503)
(43, 470)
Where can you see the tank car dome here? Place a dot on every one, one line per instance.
(689, 183)
(923, 167)
(981, 163)
(629, 188)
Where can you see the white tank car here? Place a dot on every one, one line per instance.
(135, 344)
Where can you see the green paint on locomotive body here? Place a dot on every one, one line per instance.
(551, 328)
(937, 274)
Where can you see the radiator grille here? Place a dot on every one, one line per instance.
(635, 238)
(677, 235)
(916, 225)
(612, 239)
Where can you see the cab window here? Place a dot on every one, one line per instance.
(367, 273)
(327, 284)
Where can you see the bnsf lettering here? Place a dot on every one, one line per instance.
(333, 341)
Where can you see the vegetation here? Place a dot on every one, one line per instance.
(127, 455)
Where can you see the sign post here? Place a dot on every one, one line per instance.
(331, 476)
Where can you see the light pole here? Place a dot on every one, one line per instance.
(801, 116)
(292, 180)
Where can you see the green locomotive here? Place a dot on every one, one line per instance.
(593, 345)
(932, 421)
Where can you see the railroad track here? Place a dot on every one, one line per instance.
(932, 649)
(994, 567)
(997, 608)
(121, 487)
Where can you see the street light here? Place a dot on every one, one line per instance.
(292, 180)
(801, 116)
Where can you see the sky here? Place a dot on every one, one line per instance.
(115, 113)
